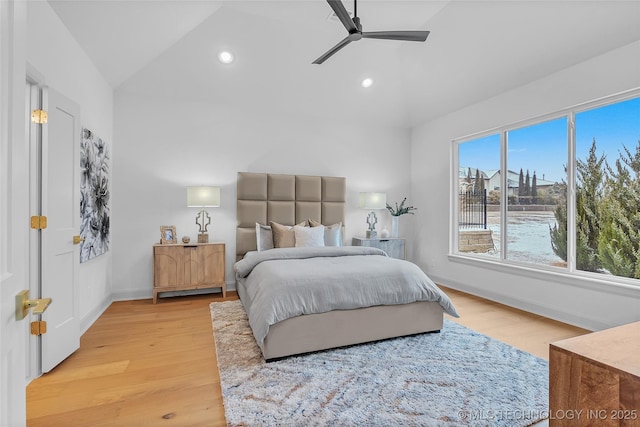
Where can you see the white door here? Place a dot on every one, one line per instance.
(14, 220)
(61, 206)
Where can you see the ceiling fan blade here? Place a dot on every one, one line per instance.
(342, 14)
(411, 36)
(345, 41)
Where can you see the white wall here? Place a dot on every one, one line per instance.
(589, 304)
(56, 56)
(165, 145)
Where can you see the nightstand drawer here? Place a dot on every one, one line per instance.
(394, 247)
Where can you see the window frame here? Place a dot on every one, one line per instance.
(566, 274)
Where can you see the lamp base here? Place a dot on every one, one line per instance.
(203, 238)
(371, 234)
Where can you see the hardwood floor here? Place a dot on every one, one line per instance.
(142, 364)
(526, 331)
(139, 364)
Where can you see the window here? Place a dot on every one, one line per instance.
(536, 159)
(479, 208)
(607, 172)
(535, 220)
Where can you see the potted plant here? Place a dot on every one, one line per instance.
(396, 213)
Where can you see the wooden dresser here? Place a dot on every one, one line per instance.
(594, 379)
(189, 266)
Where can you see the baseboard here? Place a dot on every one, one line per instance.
(93, 315)
(525, 305)
(136, 294)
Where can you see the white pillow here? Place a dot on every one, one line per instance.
(264, 237)
(309, 236)
(333, 235)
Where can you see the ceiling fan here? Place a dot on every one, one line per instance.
(354, 28)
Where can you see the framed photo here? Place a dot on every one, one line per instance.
(168, 234)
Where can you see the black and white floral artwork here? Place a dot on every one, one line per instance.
(94, 196)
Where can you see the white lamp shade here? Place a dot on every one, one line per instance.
(373, 200)
(199, 197)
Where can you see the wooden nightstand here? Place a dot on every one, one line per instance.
(186, 267)
(393, 246)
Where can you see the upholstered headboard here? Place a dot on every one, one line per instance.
(285, 199)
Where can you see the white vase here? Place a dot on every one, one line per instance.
(394, 226)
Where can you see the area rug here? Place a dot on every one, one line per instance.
(457, 377)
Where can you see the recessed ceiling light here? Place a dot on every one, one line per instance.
(225, 57)
(367, 82)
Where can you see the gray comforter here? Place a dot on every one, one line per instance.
(289, 282)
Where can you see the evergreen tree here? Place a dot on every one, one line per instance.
(559, 231)
(527, 188)
(466, 184)
(619, 239)
(478, 185)
(520, 186)
(534, 189)
(589, 195)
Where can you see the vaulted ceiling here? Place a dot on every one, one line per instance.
(476, 50)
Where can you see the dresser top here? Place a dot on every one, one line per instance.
(187, 244)
(617, 348)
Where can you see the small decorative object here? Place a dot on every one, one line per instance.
(384, 233)
(203, 197)
(186, 239)
(372, 201)
(168, 234)
(395, 213)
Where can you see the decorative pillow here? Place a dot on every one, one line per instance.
(332, 233)
(283, 235)
(308, 236)
(264, 238)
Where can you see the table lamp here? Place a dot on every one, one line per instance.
(203, 197)
(372, 201)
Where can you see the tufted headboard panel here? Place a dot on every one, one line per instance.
(285, 199)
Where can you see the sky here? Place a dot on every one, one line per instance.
(542, 148)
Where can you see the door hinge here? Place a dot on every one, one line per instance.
(39, 117)
(39, 327)
(39, 222)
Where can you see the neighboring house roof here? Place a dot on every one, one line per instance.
(464, 171)
(513, 178)
(491, 172)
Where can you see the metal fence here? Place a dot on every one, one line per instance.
(472, 209)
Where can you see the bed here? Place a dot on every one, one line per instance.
(304, 299)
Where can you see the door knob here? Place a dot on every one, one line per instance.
(77, 239)
(23, 304)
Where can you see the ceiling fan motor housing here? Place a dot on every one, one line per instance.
(356, 33)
